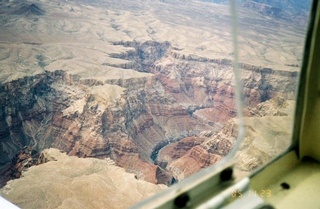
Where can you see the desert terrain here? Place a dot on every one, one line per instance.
(147, 86)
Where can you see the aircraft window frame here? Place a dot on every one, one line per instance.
(169, 197)
(222, 167)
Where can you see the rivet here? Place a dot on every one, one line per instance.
(285, 185)
(267, 207)
(226, 174)
(182, 200)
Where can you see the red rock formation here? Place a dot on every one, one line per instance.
(176, 150)
(191, 162)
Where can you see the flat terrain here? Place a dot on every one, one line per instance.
(78, 36)
(72, 182)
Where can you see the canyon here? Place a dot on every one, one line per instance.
(173, 103)
(157, 99)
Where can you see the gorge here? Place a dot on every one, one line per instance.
(179, 102)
